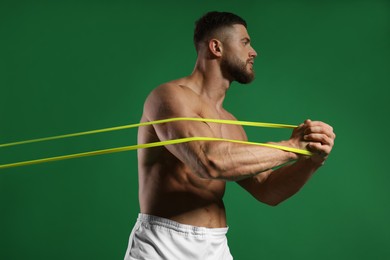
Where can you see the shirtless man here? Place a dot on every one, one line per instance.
(181, 186)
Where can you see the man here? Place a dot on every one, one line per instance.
(181, 186)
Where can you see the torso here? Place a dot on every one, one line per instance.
(169, 189)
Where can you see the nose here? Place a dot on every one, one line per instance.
(252, 53)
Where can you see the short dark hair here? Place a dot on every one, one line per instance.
(211, 22)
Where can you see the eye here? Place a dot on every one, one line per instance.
(246, 42)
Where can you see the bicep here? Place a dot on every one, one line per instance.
(166, 104)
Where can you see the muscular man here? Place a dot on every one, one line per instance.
(181, 186)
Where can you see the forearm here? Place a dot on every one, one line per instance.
(233, 162)
(284, 182)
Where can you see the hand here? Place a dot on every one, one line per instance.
(320, 139)
(296, 140)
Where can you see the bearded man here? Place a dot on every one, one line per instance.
(181, 186)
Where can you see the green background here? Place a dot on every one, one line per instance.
(70, 66)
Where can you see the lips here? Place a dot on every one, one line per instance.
(251, 62)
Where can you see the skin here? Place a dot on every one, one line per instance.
(186, 182)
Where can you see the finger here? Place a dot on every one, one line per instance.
(322, 138)
(319, 148)
(314, 123)
(320, 128)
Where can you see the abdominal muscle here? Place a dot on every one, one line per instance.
(170, 190)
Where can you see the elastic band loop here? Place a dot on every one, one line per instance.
(168, 120)
(154, 144)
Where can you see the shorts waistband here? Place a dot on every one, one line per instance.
(182, 228)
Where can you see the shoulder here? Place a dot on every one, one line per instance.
(166, 91)
(170, 94)
(170, 100)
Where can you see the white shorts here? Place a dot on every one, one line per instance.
(155, 238)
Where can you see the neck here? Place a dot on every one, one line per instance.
(208, 81)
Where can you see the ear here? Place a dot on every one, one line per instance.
(215, 47)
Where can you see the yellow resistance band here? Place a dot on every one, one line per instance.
(149, 145)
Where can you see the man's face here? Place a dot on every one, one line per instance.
(238, 57)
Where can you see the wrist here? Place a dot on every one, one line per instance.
(291, 156)
(313, 161)
(317, 160)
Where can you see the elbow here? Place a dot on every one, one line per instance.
(210, 172)
(209, 168)
(272, 201)
(214, 165)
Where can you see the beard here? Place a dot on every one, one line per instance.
(237, 70)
